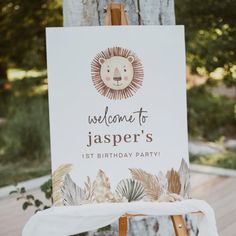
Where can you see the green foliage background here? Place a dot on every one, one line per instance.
(22, 30)
(210, 35)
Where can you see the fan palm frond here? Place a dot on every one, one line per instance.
(131, 189)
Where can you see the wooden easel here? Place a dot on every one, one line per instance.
(115, 15)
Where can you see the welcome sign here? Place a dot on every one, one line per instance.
(118, 122)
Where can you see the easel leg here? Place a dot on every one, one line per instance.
(179, 225)
(123, 226)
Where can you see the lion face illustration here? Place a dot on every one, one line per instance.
(117, 73)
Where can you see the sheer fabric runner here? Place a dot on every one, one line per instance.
(62, 221)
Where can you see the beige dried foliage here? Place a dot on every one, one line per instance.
(170, 197)
(57, 182)
(149, 182)
(174, 184)
(102, 191)
(89, 188)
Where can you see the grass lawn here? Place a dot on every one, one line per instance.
(12, 173)
(226, 159)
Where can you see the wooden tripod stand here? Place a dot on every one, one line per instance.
(115, 15)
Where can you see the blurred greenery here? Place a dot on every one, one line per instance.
(25, 127)
(15, 172)
(24, 137)
(226, 159)
(210, 36)
(22, 30)
(210, 116)
(24, 130)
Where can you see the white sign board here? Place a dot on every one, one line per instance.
(118, 119)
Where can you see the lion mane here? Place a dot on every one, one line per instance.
(110, 93)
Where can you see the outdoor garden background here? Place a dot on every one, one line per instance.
(211, 84)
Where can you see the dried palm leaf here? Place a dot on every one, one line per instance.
(131, 189)
(184, 174)
(150, 183)
(71, 193)
(89, 189)
(162, 182)
(102, 191)
(174, 185)
(57, 182)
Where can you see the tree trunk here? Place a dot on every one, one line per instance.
(140, 12)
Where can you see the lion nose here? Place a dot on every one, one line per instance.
(117, 76)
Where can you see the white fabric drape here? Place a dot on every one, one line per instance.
(63, 221)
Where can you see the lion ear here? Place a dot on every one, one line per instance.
(130, 59)
(101, 60)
